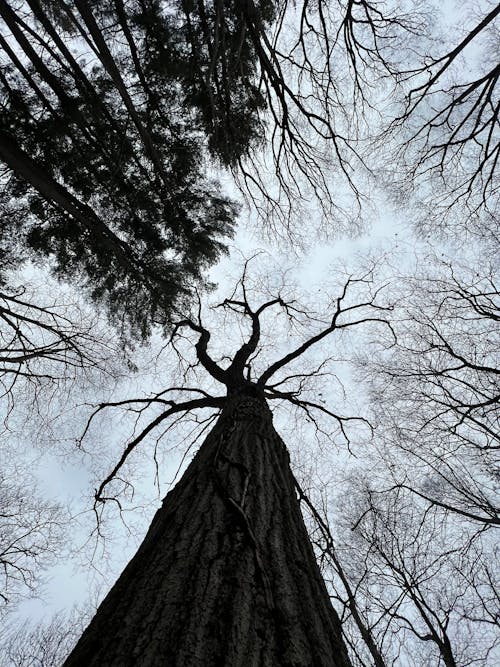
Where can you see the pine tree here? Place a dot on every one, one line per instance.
(110, 110)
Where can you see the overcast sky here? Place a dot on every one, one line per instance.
(70, 477)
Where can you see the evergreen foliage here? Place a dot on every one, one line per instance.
(110, 110)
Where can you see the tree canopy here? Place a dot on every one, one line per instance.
(119, 121)
(109, 112)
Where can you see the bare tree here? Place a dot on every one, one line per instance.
(429, 585)
(230, 533)
(44, 643)
(450, 128)
(416, 540)
(439, 133)
(31, 534)
(435, 79)
(359, 626)
(438, 386)
(47, 341)
(53, 348)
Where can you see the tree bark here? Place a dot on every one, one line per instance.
(226, 576)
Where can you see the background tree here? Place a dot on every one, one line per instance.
(52, 349)
(415, 529)
(442, 379)
(44, 643)
(31, 534)
(425, 585)
(393, 84)
(450, 129)
(48, 342)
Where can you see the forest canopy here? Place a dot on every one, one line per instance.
(139, 140)
(114, 112)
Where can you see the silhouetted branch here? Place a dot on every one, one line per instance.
(235, 371)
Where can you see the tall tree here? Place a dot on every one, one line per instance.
(111, 111)
(105, 146)
(226, 574)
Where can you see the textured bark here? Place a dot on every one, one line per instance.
(226, 576)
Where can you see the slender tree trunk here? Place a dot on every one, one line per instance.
(226, 576)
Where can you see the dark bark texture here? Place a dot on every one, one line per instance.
(226, 576)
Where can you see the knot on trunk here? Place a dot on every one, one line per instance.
(247, 407)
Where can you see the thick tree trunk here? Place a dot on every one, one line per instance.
(226, 576)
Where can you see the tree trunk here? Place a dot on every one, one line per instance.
(226, 576)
